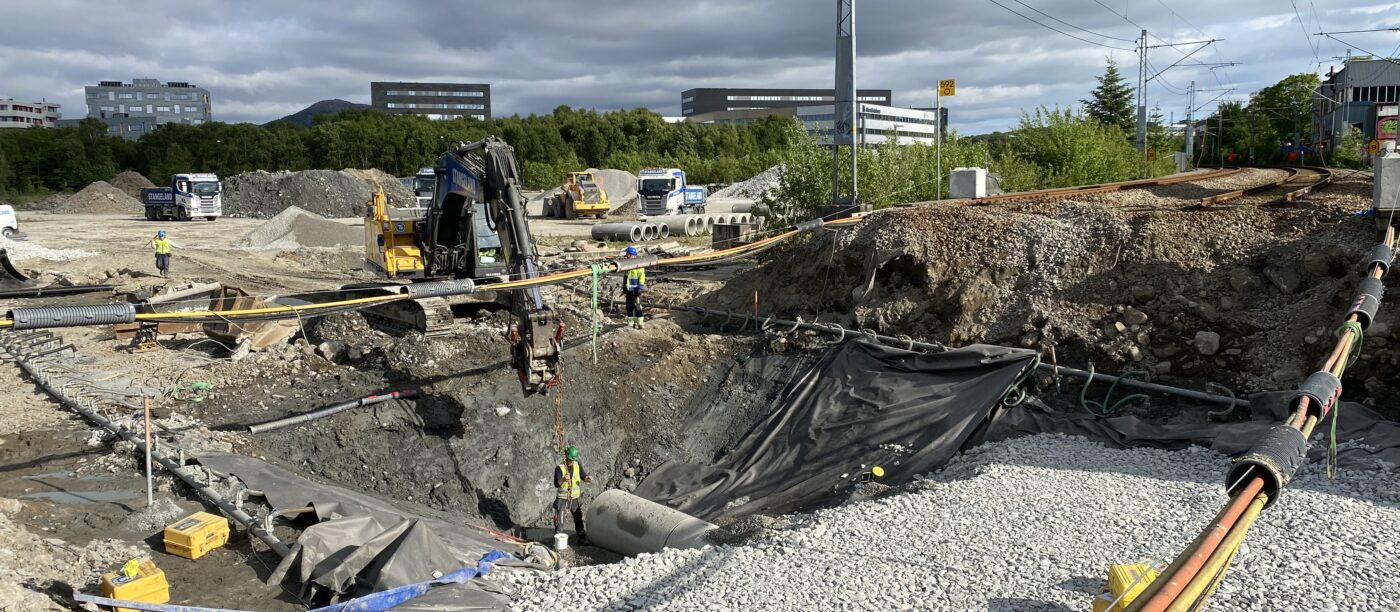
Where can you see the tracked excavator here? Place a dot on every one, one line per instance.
(474, 228)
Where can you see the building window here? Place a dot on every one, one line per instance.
(162, 109)
(106, 108)
(191, 109)
(126, 96)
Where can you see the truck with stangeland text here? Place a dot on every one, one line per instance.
(663, 191)
(189, 196)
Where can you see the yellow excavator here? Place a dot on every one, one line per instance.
(474, 228)
(581, 195)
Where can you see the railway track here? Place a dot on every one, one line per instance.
(1298, 183)
(1070, 192)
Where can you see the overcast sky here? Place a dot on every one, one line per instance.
(264, 59)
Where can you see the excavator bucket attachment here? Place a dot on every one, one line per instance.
(11, 272)
(535, 345)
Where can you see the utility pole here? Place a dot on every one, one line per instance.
(1142, 95)
(1220, 134)
(1190, 123)
(844, 123)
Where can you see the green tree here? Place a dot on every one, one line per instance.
(1284, 111)
(1111, 102)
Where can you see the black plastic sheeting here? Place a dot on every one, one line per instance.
(909, 413)
(363, 545)
(1363, 435)
(862, 404)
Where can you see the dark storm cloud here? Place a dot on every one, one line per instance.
(262, 59)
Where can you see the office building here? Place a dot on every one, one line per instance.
(433, 100)
(1364, 94)
(133, 109)
(17, 114)
(876, 122)
(711, 100)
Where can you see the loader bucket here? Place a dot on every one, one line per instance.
(11, 272)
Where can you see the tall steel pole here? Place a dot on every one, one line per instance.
(844, 123)
(1190, 124)
(938, 140)
(1142, 96)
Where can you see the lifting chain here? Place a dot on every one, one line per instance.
(559, 419)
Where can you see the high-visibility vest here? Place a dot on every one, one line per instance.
(569, 487)
(162, 246)
(636, 277)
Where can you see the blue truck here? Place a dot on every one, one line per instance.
(663, 191)
(189, 196)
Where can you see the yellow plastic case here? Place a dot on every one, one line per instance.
(195, 535)
(148, 586)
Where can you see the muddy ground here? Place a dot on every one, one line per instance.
(1126, 281)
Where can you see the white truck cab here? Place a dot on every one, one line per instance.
(663, 191)
(189, 196)
(9, 223)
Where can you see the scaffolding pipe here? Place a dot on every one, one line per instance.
(329, 410)
(173, 467)
(762, 323)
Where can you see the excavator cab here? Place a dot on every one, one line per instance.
(476, 229)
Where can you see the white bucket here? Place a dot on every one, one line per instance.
(561, 541)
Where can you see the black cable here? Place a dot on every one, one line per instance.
(1072, 25)
(1009, 10)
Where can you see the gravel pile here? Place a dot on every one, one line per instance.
(753, 189)
(329, 193)
(20, 250)
(100, 197)
(131, 183)
(620, 185)
(295, 228)
(1027, 524)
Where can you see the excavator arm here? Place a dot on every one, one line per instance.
(478, 210)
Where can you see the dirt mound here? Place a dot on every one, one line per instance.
(48, 202)
(131, 183)
(1247, 295)
(295, 228)
(100, 197)
(329, 193)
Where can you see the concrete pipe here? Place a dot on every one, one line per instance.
(709, 224)
(677, 225)
(627, 232)
(663, 231)
(629, 525)
(649, 231)
(745, 218)
(746, 207)
(694, 226)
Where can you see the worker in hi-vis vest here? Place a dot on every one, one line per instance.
(162, 246)
(569, 477)
(632, 288)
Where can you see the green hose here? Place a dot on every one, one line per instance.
(1016, 386)
(1102, 408)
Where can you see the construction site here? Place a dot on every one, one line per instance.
(1033, 387)
(347, 390)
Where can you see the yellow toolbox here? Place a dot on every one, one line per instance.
(195, 535)
(138, 581)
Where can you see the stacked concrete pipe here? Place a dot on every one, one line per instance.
(681, 225)
(627, 232)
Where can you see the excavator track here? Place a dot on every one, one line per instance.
(431, 316)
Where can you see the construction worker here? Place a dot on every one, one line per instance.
(632, 288)
(569, 477)
(162, 246)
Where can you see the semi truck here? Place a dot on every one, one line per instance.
(188, 196)
(663, 191)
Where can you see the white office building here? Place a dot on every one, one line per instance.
(877, 123)
(18, 114)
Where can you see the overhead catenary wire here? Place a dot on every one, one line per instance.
(1061, 21)
(1057, 30)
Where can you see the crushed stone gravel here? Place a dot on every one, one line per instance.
(21, 250)
(755, 188)
(1025, 524)
(330, 193)
(295, 228)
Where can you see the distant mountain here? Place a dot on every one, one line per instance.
(306, 116)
